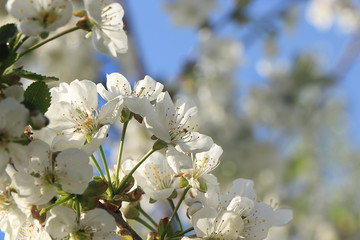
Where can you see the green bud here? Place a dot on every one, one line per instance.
(183, 182)
(44, 35)
(131, 212)
(95, 188)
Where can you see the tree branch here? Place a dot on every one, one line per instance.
(121, 223)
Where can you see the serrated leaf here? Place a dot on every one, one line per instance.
(37, 97)
(7, 31)
(33, 76)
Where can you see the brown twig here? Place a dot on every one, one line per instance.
(121, 223)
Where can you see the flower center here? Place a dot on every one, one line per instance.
(46, 18)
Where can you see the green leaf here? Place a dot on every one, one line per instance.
(37, 97)
(7, 32)
(33, 76)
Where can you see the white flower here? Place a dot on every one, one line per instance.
(31, 229)
(174, 124)
(108, 34)
(37, 16)
(154, 176)
(200, 165)
(13, 211)
(96, 224)
(209, 224)
(239, 215)
(136, 100)
(189, 12)
(13, 119)
(74, 114)
(69, 171)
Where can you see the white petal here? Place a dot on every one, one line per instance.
(74, 169)
(203, 221)
(283, 217)
(198, 143)
(61, 222)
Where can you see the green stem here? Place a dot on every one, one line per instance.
(77, 209)
(18, 45)
(106, 170)
(97, 166)
(145, 224)
(126, 178)
(182, 233)
(176, 214)
(146, 215)
(120, 152)
(59, 202)
(48, 40)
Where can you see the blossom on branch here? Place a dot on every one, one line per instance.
(174, 124)
(75, 115)
(108, 34)
(136, 100)
(39, 16)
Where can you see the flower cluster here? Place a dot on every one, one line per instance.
(49, 141)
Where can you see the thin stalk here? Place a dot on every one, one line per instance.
(120, 152)
(183, 232)
(126, 178)
(77, 209)
(147, 216)
(19, 43)
(106, 170)
(59, 202)
(97, 166)
(145, 224)
(48, 40)
(172, 205)
(174, 212)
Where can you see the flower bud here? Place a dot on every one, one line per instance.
(130, 212)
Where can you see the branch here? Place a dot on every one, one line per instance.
(121, 223)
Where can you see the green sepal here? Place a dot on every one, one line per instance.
(125, 115)
(37, 97)
(138, 118)
(33, 76)
(130, 212)
(173, 195)
(96, 178)
(162, 225)
(203, 185)
(183, 182)
(88, 203)
(152, 201)
(159, 144)
(95, 188)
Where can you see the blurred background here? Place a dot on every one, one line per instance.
(277, 86)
